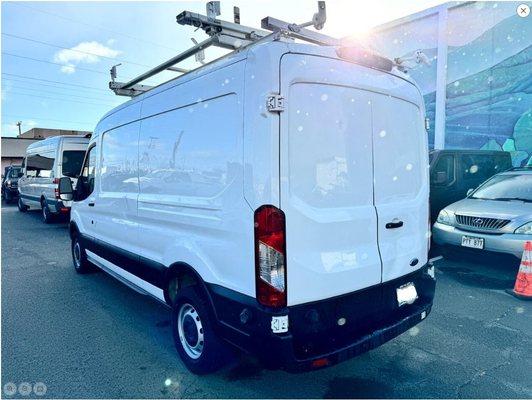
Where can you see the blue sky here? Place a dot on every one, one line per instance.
(69, 89)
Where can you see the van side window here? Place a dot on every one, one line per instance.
(119, 169)
(443, 172)
(40, 165)
(191, 151)
(86, 180)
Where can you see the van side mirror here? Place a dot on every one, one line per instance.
(441, 177)
(20, 174)
(66, 191)
(469, 191)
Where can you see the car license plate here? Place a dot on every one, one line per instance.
(406, 294)
(473, 242)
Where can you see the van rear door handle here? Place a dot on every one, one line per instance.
(394, 225)
(91, 204)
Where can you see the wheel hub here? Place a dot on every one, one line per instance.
(190, 331)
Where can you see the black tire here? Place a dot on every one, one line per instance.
(21, 206)
(195, 339)
(7, 197)
(47, 216)
(79, 256)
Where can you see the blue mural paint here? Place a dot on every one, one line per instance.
(489, 74)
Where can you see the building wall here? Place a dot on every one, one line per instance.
(14, 150)
(480, 97)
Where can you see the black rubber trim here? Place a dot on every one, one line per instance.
(147, 270)
(373, 316)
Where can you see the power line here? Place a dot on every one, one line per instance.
(61, 65)
(65, 100)
(108, 102)
(54, 63)
(20, 116)
(39, 84)
(51, 81)
(75, 50)
(94, 26)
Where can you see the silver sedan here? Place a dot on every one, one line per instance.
(495, 217)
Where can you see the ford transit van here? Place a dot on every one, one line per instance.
(45, 163)
(276, 199)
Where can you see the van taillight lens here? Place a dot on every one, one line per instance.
(270, 256)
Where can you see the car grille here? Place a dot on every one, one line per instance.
(481, 223)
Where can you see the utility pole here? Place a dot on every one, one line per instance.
(19, 123)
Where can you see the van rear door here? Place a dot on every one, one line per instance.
(327, 180)
(354, 177)
(401, 184)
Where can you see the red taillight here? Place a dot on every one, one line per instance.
(320, 363)
(56, 190)
(270, 256)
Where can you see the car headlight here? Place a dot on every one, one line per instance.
(444, 217)
(526, 229)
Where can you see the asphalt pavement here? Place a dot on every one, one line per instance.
(89, 336)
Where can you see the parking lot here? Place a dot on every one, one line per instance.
(90, 336)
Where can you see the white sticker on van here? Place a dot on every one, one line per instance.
(280, 324)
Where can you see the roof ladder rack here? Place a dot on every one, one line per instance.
(227, 35)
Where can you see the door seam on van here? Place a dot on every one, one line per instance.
(373, 185)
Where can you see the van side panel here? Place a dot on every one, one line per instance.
(191, 206)
(115, 197)
(261, 127)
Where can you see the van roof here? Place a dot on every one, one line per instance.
(51, 141)
(235, 56)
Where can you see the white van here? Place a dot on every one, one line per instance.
(45, 162)
(297, 232)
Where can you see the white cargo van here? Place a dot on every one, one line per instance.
(44, 164)
(276, 199)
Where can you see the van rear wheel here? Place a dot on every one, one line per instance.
(200, 349)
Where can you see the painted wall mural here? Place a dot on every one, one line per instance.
(488, 74)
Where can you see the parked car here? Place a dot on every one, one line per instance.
(494, 218)
(454, 172)
(10, 183)
(46, 161)
(287, 234)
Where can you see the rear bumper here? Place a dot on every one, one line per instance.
(59, 206)
(314, 338)
(507, 243)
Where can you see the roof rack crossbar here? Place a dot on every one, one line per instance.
(227, 35)
(297, 32)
